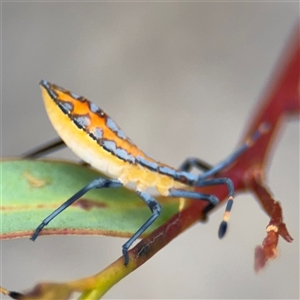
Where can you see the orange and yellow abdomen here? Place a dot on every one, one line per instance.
(93, 136)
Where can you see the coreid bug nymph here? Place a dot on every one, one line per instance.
(92, 135)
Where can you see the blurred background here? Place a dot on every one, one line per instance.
(181, 79)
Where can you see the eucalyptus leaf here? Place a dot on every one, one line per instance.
(32, 189)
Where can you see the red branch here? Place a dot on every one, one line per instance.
(281, 99)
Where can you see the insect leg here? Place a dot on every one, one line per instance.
(228, 182)
(263, 128)
(191, 162)
(194, 195)
(95, 184)
(211, 199)
(155, 209)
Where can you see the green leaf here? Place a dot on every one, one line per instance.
(32, 189)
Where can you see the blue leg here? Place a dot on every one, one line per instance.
(202, 179)
(218, 181)
(155, 209)
(194, 195)
(263, 128)
(213, 200)
(228, 182)
(95, 184)
(193, 162)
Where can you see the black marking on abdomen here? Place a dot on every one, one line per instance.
(96, 110)
(167, 171)
(115, 128)
(183, 177)
(153, 166)
(65, 106)
(96, 133)
(81, 121)
(110, 146)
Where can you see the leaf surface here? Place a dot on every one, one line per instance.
(32, 189)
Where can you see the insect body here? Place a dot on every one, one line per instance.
(95, 138)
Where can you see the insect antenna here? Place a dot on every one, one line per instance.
(49, 147)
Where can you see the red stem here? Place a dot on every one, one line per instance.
(247, 171)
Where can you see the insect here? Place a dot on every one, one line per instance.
(91, 134)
